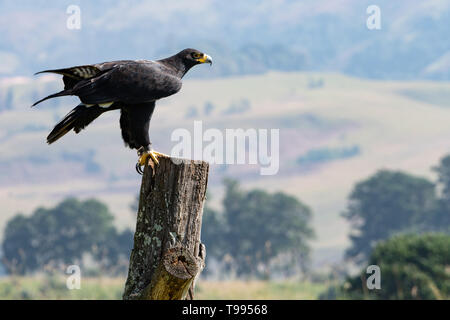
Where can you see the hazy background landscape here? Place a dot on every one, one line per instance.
(348, 101)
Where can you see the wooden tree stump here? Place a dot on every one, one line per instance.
(167, 254)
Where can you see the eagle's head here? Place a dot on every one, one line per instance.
(191, 57)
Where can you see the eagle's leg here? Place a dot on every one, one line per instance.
(143, 154)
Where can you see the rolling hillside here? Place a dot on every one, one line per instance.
(334, 131)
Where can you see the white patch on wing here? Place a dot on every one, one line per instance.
(101, 105)
(84, 72)
(105, 105)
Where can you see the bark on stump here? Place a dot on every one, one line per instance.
(167, 254)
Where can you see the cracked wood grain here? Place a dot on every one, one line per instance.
(167, 255)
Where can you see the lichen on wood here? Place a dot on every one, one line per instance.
(168, 229)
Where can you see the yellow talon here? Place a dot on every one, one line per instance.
(152, 154)
(161, 154)
(143, 159)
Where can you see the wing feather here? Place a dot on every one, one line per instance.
(130, 83)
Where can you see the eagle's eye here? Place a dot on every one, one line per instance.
(196, 55)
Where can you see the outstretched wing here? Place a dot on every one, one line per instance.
(78, 76)
(124, 81)
(135, 123)
(132, 82)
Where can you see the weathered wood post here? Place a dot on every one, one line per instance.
(167, 254)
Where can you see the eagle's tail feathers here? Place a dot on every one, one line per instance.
(77, 119)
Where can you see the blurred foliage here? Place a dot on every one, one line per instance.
(439, 219)
(412, 267)
(322, 155)
(443, 171)
(255, 228)
(236, 107)
(401, 223)
(243, 37)
(50, 239)
(389, 202)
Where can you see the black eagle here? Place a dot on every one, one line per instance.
(133, 86)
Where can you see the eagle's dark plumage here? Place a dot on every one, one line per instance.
(132, 86)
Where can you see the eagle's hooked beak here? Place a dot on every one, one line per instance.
(205, 59)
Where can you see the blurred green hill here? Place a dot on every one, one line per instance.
(244, 37)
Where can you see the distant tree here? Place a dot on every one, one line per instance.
(411, 267)
(51, 238)
(256, 227)
(438, 220)
(213, 233)
(440, 217)
(213, 229)
(112, 253)
(17, 247)
(192, 112)
(443, 171)
(387, 203)
(208, 108)
(240, 106)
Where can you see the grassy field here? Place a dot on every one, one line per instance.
(285, 290)
(112, 288)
